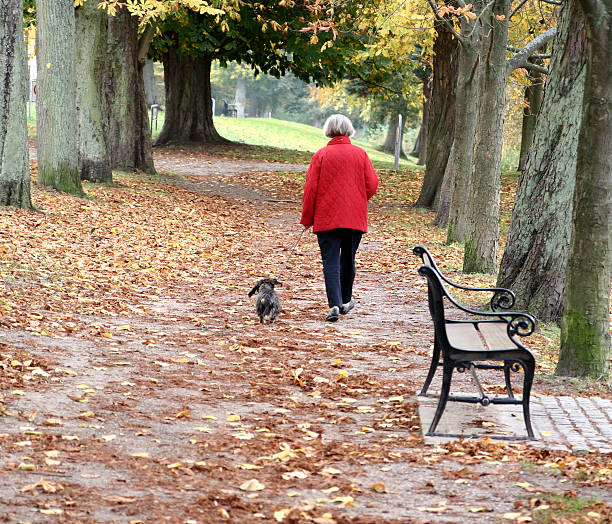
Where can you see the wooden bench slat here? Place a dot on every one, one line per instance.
(495, 335)
(464, 336)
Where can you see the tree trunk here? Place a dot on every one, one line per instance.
(389, 143)
(535, 258)
(427, 90)
(416, 150)
(441, 115)
(482, 236)
(464, 129)
(14, 168)
(188, 100)
(58, 164)
(92, 113)
(442, 204)
(129, 131)
(240, 97)
(585, 324)
(534, 93)
(148, 77)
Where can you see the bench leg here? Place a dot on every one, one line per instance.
(444, 394)
(435, 362)
(529, 367)
(507, 378)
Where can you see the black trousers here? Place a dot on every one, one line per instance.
(338, 248)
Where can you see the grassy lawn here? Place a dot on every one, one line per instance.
(277, 139)
(291, 135)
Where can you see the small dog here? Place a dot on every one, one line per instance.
(268, 304)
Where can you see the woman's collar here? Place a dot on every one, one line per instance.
(339, 140)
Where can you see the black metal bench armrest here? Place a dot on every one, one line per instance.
(502, 299)
(519, 323)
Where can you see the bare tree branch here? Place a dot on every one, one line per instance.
(144, 42)
(534, 67)
(541, 56)
(520, 59)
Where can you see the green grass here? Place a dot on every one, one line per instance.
(291, 135)
(276, 140)
(556, 506)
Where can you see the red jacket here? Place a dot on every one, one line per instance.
(339, 183)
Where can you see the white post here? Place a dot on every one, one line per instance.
(214, 103)
(398, 141)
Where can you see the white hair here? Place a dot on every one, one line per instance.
(338, 125)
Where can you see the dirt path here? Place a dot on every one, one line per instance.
(177, 406)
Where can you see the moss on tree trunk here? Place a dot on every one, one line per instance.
(14, 168)
(92, 112)
(129, 131)
(56, 117)
(483, 208)
(535, 258)
(585, 324)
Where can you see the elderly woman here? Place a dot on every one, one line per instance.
(339, 183)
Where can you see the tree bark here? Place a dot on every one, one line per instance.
(416, 150)
(92, 112)
(534, 93)
(389, 143)
(585, 324)
(129, 131)
(464, 129)
(148, 77)
(535, 258)
(482, 236)
(442, 204)
(441, 123)
(240, 97)
(14, 167)
(188, 100)
(56, 117)
(427, 92)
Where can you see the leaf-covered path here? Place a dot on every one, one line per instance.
(136, 384)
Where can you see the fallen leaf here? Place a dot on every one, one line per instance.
(250, 466)
(281, 514)
(252, 485)
(330, 471)
(118, 499)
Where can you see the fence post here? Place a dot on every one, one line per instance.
(398, 141)
(154, 109)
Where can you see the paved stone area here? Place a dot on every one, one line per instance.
(567, 423)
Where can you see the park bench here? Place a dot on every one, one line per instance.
(482, 340)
